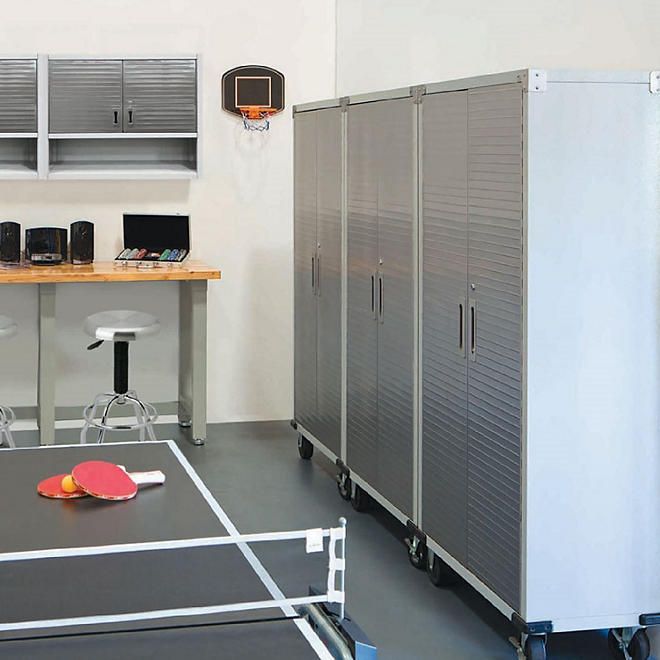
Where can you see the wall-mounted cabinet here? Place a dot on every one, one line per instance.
(94, 105)
(112, 118)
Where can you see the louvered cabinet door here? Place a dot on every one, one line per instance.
(160, 96)
(495, 337)
(396, 148)
(85, 96)
(18, 96)
(444, 309)
(362, 334)
(329, 234)
(305, 299)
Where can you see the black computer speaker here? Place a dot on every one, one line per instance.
(10, 242)
(82, 242)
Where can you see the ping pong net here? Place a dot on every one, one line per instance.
(167, 572)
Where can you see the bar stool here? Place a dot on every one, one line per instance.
(120, 327)
(8, 329)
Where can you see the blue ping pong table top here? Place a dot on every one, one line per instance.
(183, 508)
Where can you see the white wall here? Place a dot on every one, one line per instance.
(392, 43)
(241, 207)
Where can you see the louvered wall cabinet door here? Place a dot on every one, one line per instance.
(160, 96)
(85, 96)
(18, 96)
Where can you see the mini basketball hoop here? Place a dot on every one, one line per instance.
(255, 93)
(256, 118)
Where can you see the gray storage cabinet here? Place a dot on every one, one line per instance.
(539, 443)
(380, 298)
(507, 406)
(318, 283)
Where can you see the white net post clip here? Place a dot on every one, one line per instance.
(337, 564)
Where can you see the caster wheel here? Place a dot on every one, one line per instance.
(305, 447)
(361, 500)
(639, 647)
(417, 553)
(344, 487)
(535, 648)
(440, 574)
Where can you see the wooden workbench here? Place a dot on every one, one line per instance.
(192, 276)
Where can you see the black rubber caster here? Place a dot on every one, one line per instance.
(440, 574)
(535, 648)
(344, 486)
(305, 447)
(360, 500)
(417, 553)
(639, 647)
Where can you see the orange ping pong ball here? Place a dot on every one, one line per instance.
(68, 485)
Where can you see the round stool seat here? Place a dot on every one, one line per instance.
(8, 327)
(121, 325)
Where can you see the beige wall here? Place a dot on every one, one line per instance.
(391, 43)
(241, 207)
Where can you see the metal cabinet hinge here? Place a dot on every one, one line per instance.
(654, 82)
(417, 92)
(343, 103)
(534, 80)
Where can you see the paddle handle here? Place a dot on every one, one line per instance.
(144, 478)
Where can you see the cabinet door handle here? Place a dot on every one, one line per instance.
(130, 117)
(373, 295)
(318, 274)
(313, 274)
(115, 117)
(461, 327)
(381, 294)
(473, 330)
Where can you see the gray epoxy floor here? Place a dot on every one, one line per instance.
(254, 471)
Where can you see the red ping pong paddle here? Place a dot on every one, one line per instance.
(52, 487)
(108, 481)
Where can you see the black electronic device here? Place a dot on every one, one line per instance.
(152, 239)
(10, 242)
(82, 242)
(46, 246)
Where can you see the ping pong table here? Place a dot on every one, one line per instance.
(165, 575)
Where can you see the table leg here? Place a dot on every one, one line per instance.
(47, 365)
(192, 358)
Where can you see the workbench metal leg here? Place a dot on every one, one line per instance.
(47, 365)
(192, 358)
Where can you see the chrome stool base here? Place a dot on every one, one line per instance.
(145, 416)
(7, 418)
